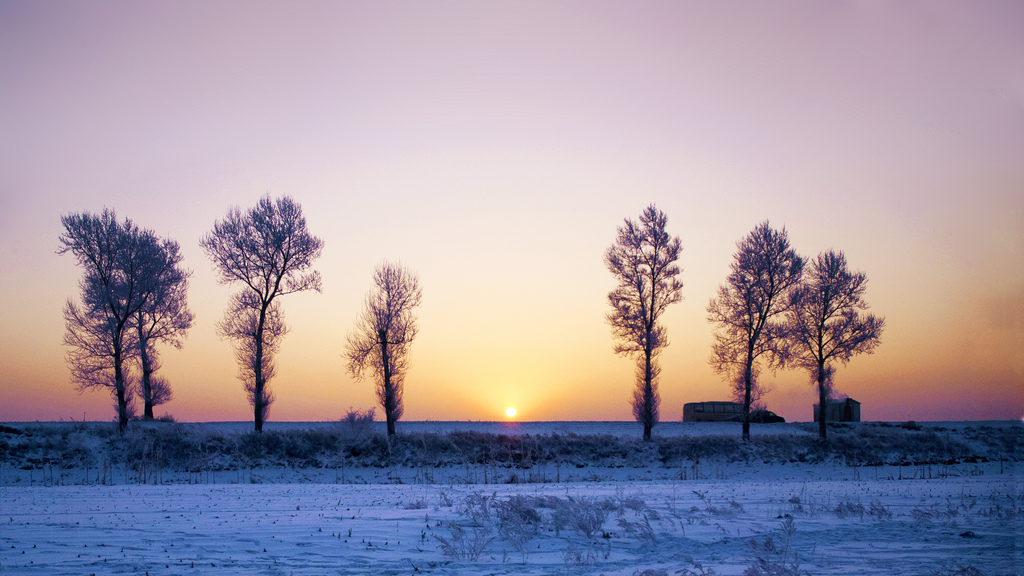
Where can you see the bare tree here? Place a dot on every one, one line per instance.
(642, 259)
(164, 317)
(383, 336)
(749, 309)
(269, 251)
(828, 324)
(119, 261)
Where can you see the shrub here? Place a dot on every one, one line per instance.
(586, 515)
(574, 557)
(357, 422)
(10, 430)
(879, 511)
(476, 509)
(518, 520)
(465, 546)
(849, 508)
(775, 560)
(354, 442)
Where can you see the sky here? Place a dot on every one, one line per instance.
(494, 148)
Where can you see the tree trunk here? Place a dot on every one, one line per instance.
(147, 371)
(649, 419)
(648, 369)
(822, 399)
(122, 411)
(747, 377)
(389, 392)
(119, 388)
(258, 403)
(257, 409)
(648, 401)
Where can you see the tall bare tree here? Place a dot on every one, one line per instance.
(749, 311)
(164, 317)
(120, 264)
(383, 336)
(828, 323)
(269, 251)
(642, 259)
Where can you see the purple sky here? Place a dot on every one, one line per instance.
(494, 147)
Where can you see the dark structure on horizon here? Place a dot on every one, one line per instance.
(725, 412)
(843, 410)
(711, 411)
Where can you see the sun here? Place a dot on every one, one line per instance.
(510, 412)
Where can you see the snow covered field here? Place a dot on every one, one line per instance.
(710, 517)
(716, 526)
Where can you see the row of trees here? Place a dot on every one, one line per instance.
(134, 295)
(772, 307)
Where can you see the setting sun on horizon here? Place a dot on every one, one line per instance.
(493, 149)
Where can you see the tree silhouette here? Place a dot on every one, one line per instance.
(269, 251)
(121, 263)
(164, 317)
(748, 312)
(642, 259)
(827, 323)
(383, 336)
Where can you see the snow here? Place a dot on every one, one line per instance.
(721, 518)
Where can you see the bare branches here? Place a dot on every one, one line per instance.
(748, 310)
(828, 323)
(122, 264)
(159, 392)
(827, 316)
(383, 336)
(164, 317)
(91, 349)
(642, 259)
(269, 250)
(758, 390)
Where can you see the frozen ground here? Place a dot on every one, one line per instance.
(719, 515)
(962, 525)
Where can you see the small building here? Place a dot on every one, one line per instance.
(844, 410)
(711, 411)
